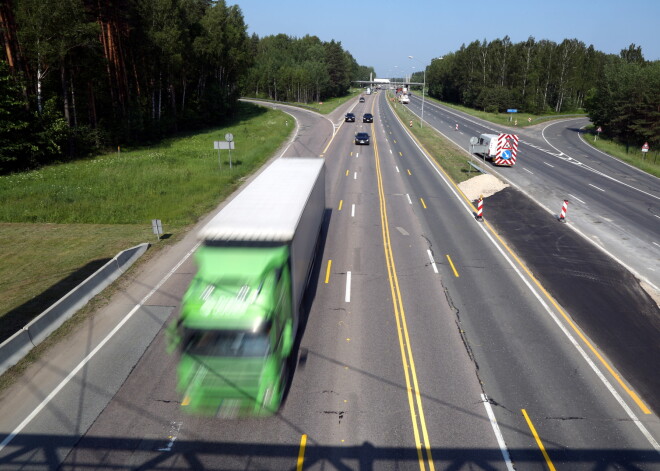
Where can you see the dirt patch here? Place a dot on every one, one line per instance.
(483, 185)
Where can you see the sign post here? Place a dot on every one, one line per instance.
(223, 145)
(229, 137)
(511, 110)
(645, 149)
(599, 130)
(157, 227)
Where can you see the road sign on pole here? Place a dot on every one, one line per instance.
(599, 130)
(157, 227)
(223, 145)
(645, 147)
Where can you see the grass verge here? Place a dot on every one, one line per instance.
(448, 155)
(504, 119)
(648, 162)
(59, 222)
(324, 107)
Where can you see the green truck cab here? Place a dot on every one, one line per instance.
(239, 316)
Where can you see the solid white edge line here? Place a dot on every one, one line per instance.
(498, 433)
(348, 287)
(580, 163)
(571, 339)
(576, 198)
(435, 269)
(91, 354)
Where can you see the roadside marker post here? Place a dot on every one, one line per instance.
(157, 227)
(480, 209)
(564, 208)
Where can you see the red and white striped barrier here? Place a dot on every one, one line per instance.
(411, 123)
(480, 209)
(507, 149)
(564, 208)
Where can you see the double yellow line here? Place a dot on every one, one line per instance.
(422, 442)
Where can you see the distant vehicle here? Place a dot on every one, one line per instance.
(362, 138)
(361, 99)
(405, 99)
(368, 118)
(502, 149)
(368, 91)
(350, 117)
(240, 314)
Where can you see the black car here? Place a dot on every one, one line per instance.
(362, 138)
(361, 99)
(368, 118)
(349, 117)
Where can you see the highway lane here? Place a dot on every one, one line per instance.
(618, 315)
(611, 204)
(349, 395)
(520, 354)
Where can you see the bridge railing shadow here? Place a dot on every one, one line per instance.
(105, 452)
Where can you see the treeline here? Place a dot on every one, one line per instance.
(535, 76)
(301, 69)
(625, 102)
(81, 75)
(620, 93)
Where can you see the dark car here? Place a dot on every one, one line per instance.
(362, 138)
(368, 118)
(361, 99)
(349, 117)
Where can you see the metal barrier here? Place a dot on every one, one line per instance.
(38, 329)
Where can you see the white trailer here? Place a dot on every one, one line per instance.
(502, 149)
(284, 205)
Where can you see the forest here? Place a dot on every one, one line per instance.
(620, 93)
(79, 76)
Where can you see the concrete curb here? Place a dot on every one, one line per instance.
(36, 331)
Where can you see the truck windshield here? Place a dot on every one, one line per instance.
(226, 343)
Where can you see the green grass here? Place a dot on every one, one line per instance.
(504, 119)
(449, 156)
(41, 262)
(324, 107)
(175, 181)
(648, 162)
(56, 221)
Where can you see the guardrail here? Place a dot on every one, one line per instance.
(36, 331)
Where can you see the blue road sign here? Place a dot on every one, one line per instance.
(513, 110)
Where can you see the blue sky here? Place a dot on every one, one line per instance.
(384, 33)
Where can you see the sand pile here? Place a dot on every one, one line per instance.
(483, 184)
